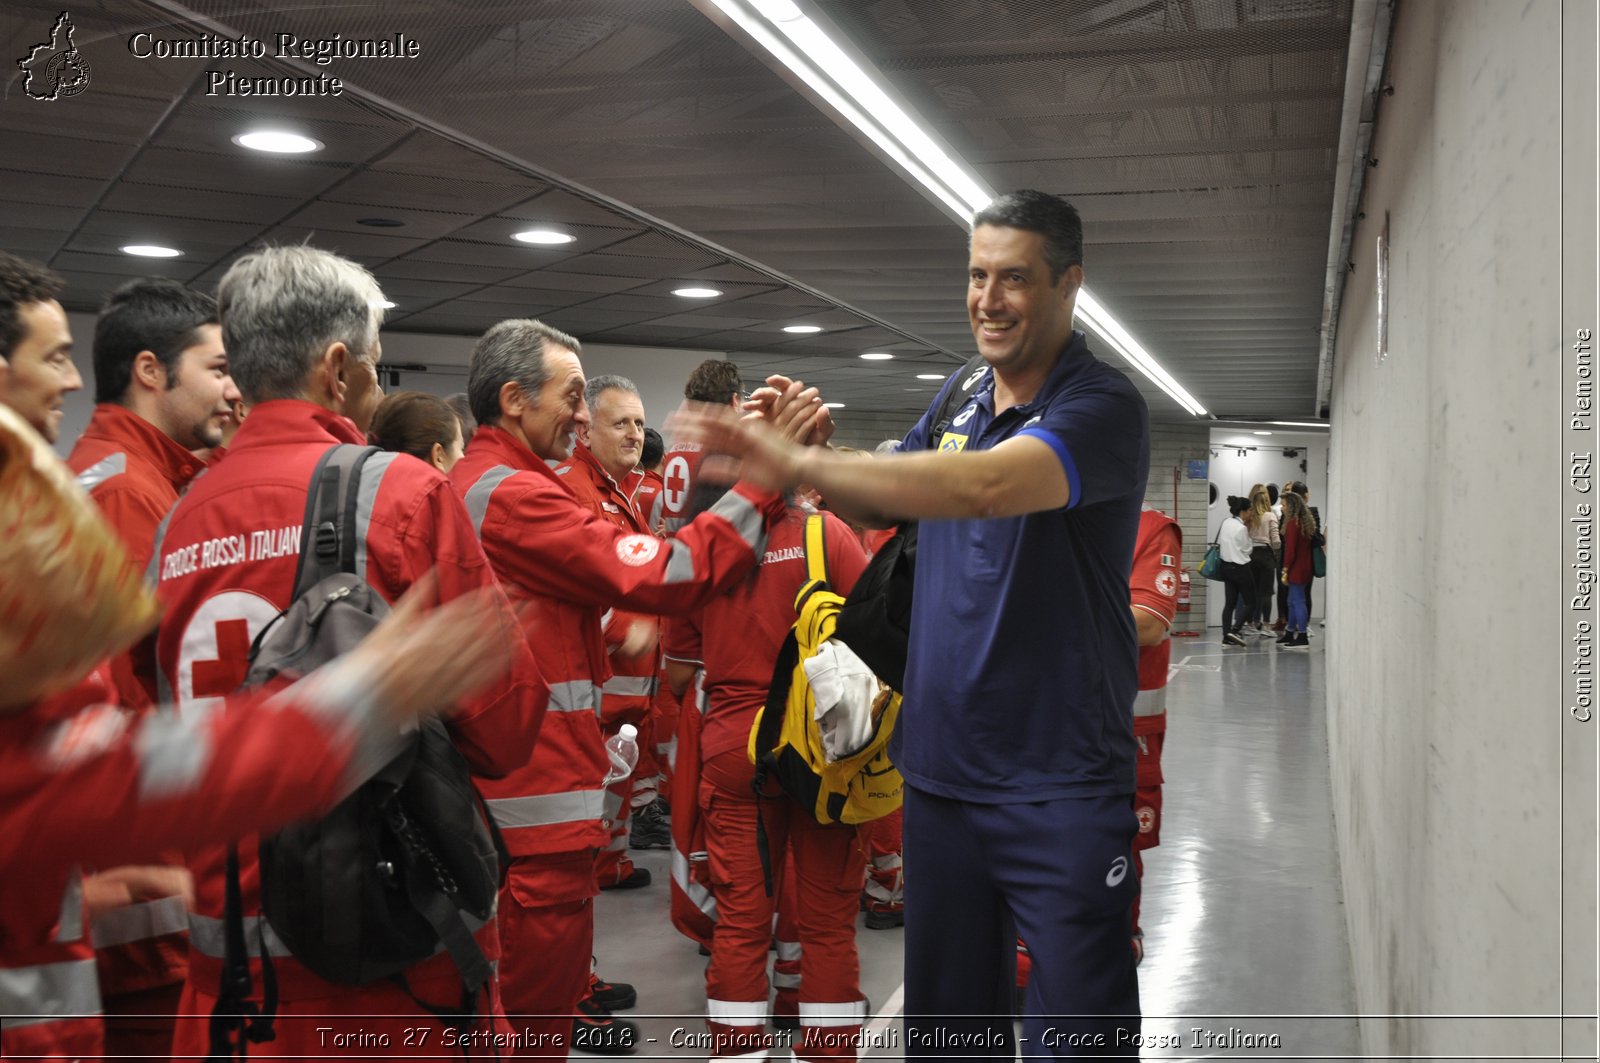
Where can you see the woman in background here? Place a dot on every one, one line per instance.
(1264, 546)
(1239, 601)
(1298, 530)
(422, 425)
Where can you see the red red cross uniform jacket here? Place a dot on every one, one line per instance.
(625, 697)
(1153, 588)
(550, 551)
(134, 472)
(678, 468)
(82, 780)
(647, 499)
(226, 567)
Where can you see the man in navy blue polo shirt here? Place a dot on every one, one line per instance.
(1016, 739)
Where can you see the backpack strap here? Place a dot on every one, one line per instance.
(816, 551)
(327, 536)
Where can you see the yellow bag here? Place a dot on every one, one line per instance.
(786, 741)
(69, 596)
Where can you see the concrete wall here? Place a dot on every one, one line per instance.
(1444, 705)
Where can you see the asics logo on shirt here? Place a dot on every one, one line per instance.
(964, 416)
(1119, 871)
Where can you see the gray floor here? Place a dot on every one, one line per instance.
(1244, 929)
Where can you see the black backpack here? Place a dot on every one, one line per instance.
(408, 863)
(875, 620)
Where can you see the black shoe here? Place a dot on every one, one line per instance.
(639, 878)
(650, 828)
(1230, 639)
(885, 920)
(1298, 642)
(1284, 638)
(594, 1031)
(611, 996)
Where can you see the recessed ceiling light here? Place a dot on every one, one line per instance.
(1301, 424)
(876, 356)
(932, 376)
(151, 251)
(1263, 433)
(382, 223)
(543, 236)
(834, 405)
(802, 328)
(696, 293)
(278, 142)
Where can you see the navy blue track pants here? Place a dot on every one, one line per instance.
(1058, 874)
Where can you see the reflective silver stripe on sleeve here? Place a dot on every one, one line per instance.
(48, 992)
(478, 495)
(698, 895)
(103, 470)
(580, 695)
(745, 518)
(680, 563)
(574, 806)
(630, 685)
(785, 980)
(152, 573)
(136, 922)
(70, 925)
(613, 808)
(1150, 702)
(173, 753)
(371, 478)
(207, 936)
(787, 950)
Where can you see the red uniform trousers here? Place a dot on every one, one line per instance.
(694, 910)
(886, 884)
(829, 864)
(786, 965)
(1150, 732)
(547, 940)
(664, 727)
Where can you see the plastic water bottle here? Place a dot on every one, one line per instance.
(622, 749)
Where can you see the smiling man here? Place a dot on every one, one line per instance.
(604, 474)
(37, 346)
(1016, 740)
(526, 386)
(162, 389)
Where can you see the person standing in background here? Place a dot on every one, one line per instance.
(1239, 597)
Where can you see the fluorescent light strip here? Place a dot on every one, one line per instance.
(814, 77)
(821, 64)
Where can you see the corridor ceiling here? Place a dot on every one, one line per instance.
(1197, 137)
